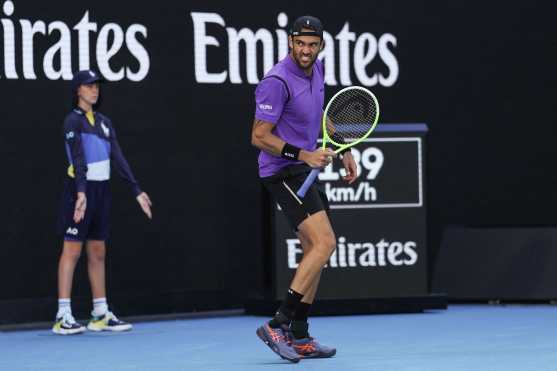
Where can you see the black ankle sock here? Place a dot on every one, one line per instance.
(302, 312)
(278, 320)
(299, 325)
(285, 314)
(299, 329)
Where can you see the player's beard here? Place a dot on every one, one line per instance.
(305, 62)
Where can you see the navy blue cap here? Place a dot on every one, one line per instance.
(308, 22)
(85, 77)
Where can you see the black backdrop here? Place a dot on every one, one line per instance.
(480, 74)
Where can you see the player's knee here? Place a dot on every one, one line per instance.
(96, 255)
(327, 245)
(71, 254)
(96, 258)
(329, 242)
(320, 255)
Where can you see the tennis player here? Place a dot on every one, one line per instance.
(91, 147)
(288, 112)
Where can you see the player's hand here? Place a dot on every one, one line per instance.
(80, 207)
(145, 203)
(318, 158)
(350, 167)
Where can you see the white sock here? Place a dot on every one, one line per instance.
(100, 307)
(64, 306)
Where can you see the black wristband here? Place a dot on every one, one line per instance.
(290, 152)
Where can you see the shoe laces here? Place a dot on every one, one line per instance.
(109, 315)
(278, 334)
(288, 335)
(68, 318)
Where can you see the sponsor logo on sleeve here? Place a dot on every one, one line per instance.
(265, 107)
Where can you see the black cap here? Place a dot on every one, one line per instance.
(85, 77)
(307, 22)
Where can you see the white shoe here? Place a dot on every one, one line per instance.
(67, 325)
(108, 322)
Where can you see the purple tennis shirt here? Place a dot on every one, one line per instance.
(293, 101)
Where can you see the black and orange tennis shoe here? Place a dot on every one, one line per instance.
(310, 348)
(279, 340)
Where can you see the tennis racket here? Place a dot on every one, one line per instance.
(350, 117)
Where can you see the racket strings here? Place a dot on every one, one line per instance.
(351, 115)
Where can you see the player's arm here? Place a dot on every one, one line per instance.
(263, 138)
(72, 135)
(122, 166)
(74, 147)
(125, 171)
(271, 96)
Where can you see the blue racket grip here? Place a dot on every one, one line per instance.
(308, 182)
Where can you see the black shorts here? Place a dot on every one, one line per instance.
(283, 187)
(96, 221)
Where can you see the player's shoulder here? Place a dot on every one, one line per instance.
(275, 80)
(75, 113)
(279, 69)
(73, 117)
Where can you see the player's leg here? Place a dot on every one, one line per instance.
(73, 235)
(309, 218)
(302, 342)
(102, 319)
(276, 333)
(318, 202)
(71, 251)
(65, 323)
(317, 232)
(299, 323)
(96, 254)
(309, 296)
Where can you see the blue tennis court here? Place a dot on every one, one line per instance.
(461, 338)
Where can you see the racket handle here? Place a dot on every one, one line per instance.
(308, 182)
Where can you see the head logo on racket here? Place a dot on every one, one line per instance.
(349, 117)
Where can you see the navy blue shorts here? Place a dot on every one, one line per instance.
(96, 222)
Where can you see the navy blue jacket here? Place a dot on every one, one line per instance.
(91, 148)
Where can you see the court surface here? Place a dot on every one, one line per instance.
(464, 337)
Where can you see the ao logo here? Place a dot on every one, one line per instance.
(72, 231)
